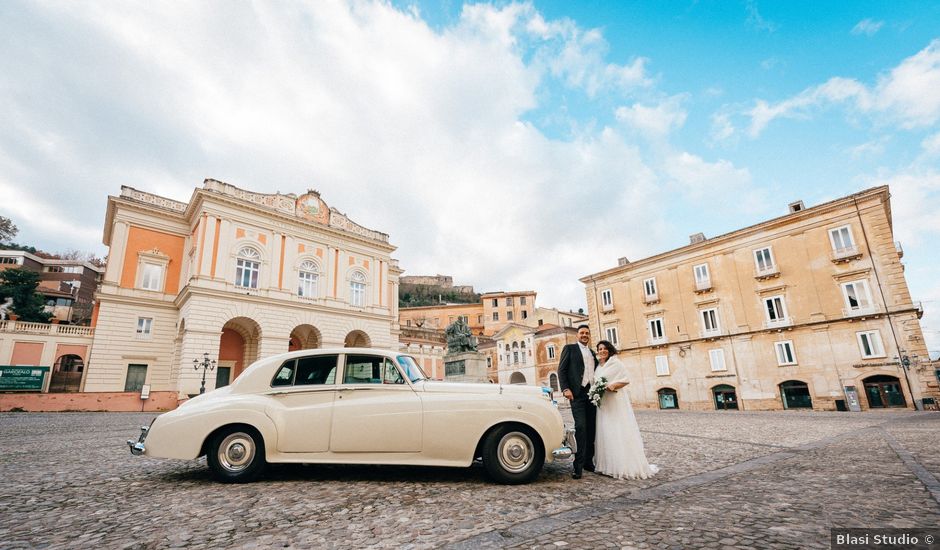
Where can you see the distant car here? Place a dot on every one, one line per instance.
(359, 406)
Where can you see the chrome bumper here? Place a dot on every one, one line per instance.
(568, 446)
(137, 447)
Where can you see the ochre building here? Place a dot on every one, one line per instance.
(808, 310)
(236, 275)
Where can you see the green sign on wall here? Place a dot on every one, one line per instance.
(22, 378)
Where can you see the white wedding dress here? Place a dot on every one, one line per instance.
(618, 447)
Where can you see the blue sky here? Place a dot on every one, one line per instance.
(511, 145)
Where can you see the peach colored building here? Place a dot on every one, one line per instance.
(808, 310)
(439, 317)
(529, 355)
(235, 274)
(503, 308)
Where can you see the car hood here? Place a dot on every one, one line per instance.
(482, 388)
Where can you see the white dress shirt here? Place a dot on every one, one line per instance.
(588, 377)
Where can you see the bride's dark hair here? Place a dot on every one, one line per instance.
(610, 347)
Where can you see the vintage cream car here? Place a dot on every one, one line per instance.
(359, 406)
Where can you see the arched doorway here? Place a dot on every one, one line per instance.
(238, 348)
(358, 339)
(725, 397)
(795, 395)
(66, 374)
(884, 391)
(668, 398)
(553, 381)
(304, 337)
(517, 378)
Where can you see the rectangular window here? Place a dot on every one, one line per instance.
(479, 319)
(785, 355)
(857, 297)
(612, 335)
(662, 365)
(307, 286)
(144, 327)
(710, 321)
(702, 277)
(496, 316)
(509, 300)
(152, 277)
(717, 358)
(525, 314)
(357, 294)
(367, 369)
(136, 377)
(607, 299)
(869, 343)
(495, 302)
(649, 287)
(776, 309)
(522, 300)
(246, 273)
(656, 329)
(551, 352)
(841, 239)
(509, 316)
(764, 260)
(316, 370)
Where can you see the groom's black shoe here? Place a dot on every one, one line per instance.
(589, 467)
(576, 474)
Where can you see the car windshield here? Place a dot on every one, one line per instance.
(411, 368)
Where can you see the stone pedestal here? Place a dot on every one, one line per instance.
(467, 366)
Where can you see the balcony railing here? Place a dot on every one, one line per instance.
(900, 250)
(658, 341)
(651, 298)
(22, 327)
(778, 323)
(711, 333)
(846, 254)
(768, 272)
(703, 285)
(871, 309)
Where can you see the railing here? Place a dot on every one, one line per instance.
(651, 298)
(703, 284)
(23, 327)
(711, 333)
(778, 323)
(658, 341)
(900, 250)
(767, 272)
(872, 309)
(846, 253)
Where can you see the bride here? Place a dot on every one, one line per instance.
(618, 447)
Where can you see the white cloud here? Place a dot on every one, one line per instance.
(654, 121)
(908, 95)
(868, 149)
(931, 145)
(756, 20)
(867, 27)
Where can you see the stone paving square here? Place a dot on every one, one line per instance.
(728, 480)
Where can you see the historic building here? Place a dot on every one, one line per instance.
(808, 310)
(521, 354)
(439, 317)
(237, 275)
(68, 286)
(552, 316)
(502, 308)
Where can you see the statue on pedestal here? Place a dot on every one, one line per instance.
(459, 337)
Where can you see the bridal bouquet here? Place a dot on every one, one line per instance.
(597, 391)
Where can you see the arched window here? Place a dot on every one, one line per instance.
(307, 280)
(247, 268)
(553, 381)
(357, 289)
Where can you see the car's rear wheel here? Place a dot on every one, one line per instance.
(513, 455)
(236, 454)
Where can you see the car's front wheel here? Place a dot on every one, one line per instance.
(236, 454)
(513, 454)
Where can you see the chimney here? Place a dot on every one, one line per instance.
(796, 206)
(697, 238)
(622, 261)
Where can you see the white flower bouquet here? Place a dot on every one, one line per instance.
(597, 391)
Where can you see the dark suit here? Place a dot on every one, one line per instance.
(570, 374)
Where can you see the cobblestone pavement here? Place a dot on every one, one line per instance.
(728, 479)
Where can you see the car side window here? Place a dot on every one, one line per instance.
(363, 369)
(392, 375)
(316, 370)
(285, 375)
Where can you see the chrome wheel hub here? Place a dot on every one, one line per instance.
(236, 451)
(516, 452)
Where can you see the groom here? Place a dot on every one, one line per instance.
(576, 374)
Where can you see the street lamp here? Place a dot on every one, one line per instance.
(206, 365)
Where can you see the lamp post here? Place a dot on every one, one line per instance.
(206, 365)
